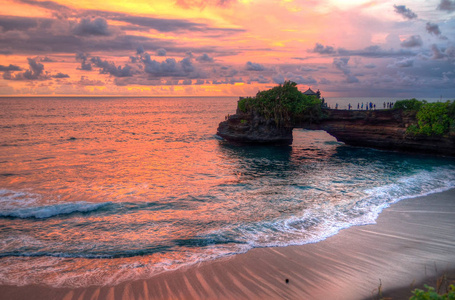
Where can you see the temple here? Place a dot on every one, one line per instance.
(310, 92)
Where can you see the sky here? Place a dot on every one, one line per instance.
(355, 48)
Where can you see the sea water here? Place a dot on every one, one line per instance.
(97, 191)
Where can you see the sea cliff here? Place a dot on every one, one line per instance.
(381, 129)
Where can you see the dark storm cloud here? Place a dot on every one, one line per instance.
(342, 65)
(447, 5)
(88, 27)
(321, 49)
(250, 66)
(405, 12)
(412, 41)
(433, 28)
(204, 58)
(9, 68)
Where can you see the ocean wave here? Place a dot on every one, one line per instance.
(49, 211)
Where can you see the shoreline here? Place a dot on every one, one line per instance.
(413, 241)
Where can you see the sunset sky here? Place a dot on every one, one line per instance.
(352, 48)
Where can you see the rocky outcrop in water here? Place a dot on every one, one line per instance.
(253, 129)
(381, 129)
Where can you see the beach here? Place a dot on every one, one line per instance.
(412, 243)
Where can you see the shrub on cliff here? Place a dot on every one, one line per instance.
(437, 118)
(409, 104)
(285, 104)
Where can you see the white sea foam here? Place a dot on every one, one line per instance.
(10, 199)
(42, 212)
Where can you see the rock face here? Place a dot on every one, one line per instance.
(381, 129)
(253, 129)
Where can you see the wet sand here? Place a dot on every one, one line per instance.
(413, 242)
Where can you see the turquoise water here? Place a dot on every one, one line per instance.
(103, 190)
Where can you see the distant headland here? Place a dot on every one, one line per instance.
(411, 125)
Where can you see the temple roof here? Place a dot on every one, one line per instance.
(309, 92)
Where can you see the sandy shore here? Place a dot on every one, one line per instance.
(412, 242)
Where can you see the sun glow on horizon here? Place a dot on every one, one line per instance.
(200, 46)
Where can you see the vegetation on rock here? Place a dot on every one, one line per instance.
(436, 118)
(432, 294)
(285, 104)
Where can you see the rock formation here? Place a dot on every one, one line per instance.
(381, 129)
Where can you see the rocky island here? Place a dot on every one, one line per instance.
(412, 125)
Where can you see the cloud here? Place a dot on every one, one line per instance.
(437, 54)
(450, 52)
(9, 68)
(169, 25)
(110, 68)
(14, 23)
(50, 5)
(254, 66)
(88, 27)
(259, 79)
(319, 48)
(161, 52)
(278, 79)
(35, 72)
(447, 5)
(299, 79)
(169, 67)
(60, 75)
(187, 4)
(204, 58)
(376, 52)
(88, 82)
(404, 63)
(370, 66)
(47, 59)
(433, 28)
(405, 12)
(412, 41)
(83, 57)
(342, 65)
(187, 65)
(140, 50)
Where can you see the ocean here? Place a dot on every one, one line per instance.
(98, 191)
